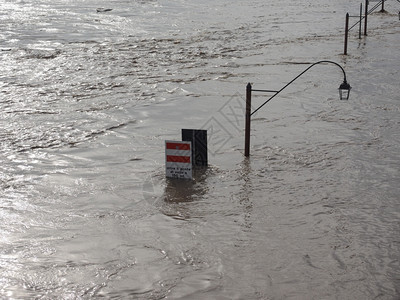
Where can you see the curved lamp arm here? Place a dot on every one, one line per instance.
(344, 85)
(344, 91)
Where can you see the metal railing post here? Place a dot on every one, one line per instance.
(248, 121)
(366, 17)
(383, 6)
(346, 33)
(359, 29)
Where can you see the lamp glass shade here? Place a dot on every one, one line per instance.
(344, 91)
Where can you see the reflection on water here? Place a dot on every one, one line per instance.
(246, 190)
(179, 193)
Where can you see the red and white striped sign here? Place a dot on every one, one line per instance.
(178, 159)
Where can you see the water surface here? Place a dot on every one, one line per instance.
(88, 98)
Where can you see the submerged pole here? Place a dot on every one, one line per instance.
(366, 17)
(346, 33)
(359, 30)
(247, 125)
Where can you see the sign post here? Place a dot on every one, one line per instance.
(198, 137)
(178, 159)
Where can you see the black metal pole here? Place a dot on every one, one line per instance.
(346, 33)
(248, 121)
(366, 17)
(359, 29)
(383, 6)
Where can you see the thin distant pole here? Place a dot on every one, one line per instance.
(383, 6)
(366, 17)
(346, 32)
(360, 25)
(247, 125)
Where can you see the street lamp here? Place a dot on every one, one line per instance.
(344, 90)
(344, 93)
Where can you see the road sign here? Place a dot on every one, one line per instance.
(198, 137)
(178, 159)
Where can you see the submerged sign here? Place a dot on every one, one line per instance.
(178, 159)
(198, 137)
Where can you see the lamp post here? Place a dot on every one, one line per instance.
(344, 93)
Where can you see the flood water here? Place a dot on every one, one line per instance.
(88, 96)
